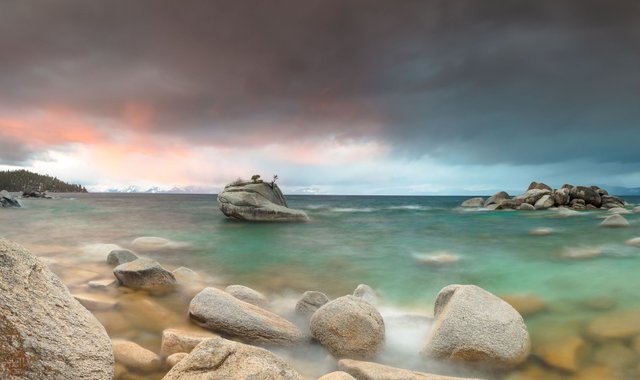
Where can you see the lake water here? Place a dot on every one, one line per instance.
(407, 248)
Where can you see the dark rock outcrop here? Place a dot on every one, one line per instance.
(8, 200)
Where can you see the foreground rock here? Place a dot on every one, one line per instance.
(145, 274)
(8, 200)
(135, 357)
(349, 327)
(374, 371)
(221, 312)
(178, 340)
(257, 201)
(219, 358)
(337, 375)
(44, 332)
(474, 326)
(120, 256)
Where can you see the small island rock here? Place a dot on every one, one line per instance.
(615, 220)
(219, 311)
(145, 274)
(349, 327)
(257, 201)
(219, 358)
(473, 202)
(474, 326)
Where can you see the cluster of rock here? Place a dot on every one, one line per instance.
(257, 201)
(35, 194)
(8, 200)
(540, 196)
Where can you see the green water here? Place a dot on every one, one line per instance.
(380, 241)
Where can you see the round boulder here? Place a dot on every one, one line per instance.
(145, 274)
(474, 326)
(135, 357)
(43, 330)
(246, 294)
(587, 194)
(121, 256)
(615, 220)
(349, 327)
(310, 302)
(473, 202)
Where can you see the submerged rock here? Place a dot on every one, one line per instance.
(178, 340)
(43, 330)
(525, 304)
(135, 357)
(621, 324)
(615, 220)
(145, 274)
(219, 311)
(310, 302)
(362, 370)
(219, 358)
(565, 353)
(474, 326)
(349, 327)
(121, 256)
(257, 201)
(8, 200)
(366, 293)
(473, 202)
(633, 242)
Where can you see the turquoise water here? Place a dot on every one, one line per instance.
(389, 243)
(352, 240)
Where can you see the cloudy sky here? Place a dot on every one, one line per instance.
(334, 96)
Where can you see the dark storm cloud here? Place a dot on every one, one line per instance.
(463, 81)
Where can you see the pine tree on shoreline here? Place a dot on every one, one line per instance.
(26, 181)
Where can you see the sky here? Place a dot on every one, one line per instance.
(334, 96)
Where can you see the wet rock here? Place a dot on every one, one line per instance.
(473, 202)
(614, 220)
(362, 370)
(609, 202)
(545, 202)
(636, 210)
(43, 329)
(176, 358)
(525, 304)
(526, 207)
(621, 324)
(587, 194)
(219, 311)
(219, 358)
(496, 198)
(246, 294)
(566, 354)
(438, 258)
(635, 242)
(600, 303)
(349, 327)
(337, 375)
(310, 302)
(367, 293)
(257, 201)
(474, 326)
(532, 196)
(597, 373)
(561, 197)
(135, 357)
(577, 204)
(120, 256)
(93, 302)
(145, 274)
(507, 204)
(103, 284)
(179, 340)
(578, 253)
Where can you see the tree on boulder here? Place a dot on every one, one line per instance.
(255, 178)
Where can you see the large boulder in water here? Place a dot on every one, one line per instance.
(145, 274)
(44, 331)
(8, 200)
(349, 327)
(587, 194)
(219, 358)
(219, 311)
(496, 198)
(257, 201)
(474, 326)
(473, 202)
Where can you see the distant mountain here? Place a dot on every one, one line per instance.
(24, 180)
(159, 190)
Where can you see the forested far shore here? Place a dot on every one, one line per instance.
(26, 181)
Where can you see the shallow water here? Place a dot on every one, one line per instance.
(407, 248)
